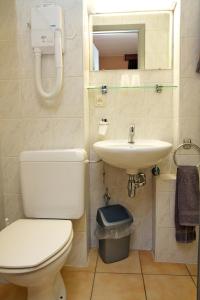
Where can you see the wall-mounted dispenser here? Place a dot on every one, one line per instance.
(47, 36)
(103, 127)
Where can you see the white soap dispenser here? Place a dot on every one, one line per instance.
(103, 127)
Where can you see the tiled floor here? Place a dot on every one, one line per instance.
(136, 278)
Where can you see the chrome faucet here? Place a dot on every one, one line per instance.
(131, 134)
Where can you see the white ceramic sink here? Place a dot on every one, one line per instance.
(132, 157)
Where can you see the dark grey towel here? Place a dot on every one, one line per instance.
(186, 203)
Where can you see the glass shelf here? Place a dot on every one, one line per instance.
(157, 87)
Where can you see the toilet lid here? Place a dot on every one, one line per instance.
(28, 243)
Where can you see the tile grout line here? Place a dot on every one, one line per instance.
(150, 274)
(142, 276)
(94, 275)
(188, 270)
(191, 276)
(194, 282)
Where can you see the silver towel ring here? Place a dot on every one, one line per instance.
(187, 144)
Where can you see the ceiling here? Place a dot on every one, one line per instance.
(116, 44)
(114, 6)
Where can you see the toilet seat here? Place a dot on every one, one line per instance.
(19, 250)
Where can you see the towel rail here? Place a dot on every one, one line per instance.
(187, 144)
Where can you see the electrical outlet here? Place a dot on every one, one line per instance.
(100, 101)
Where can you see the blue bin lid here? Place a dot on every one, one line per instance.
(113, 215)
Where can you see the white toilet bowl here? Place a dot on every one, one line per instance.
(33, 250)
(32, 253)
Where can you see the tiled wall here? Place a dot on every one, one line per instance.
(152, 114)
(171, 116)
(2, 218)
(186, 124)
(25, 122)
(189, 79)
(166, 249)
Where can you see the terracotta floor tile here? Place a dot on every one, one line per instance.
(118, 287)
(192, 269)
(168, 287)
(151, 267)
(92, 261)
(128, 265)
(195, 279)
(12, 292)
(79, 285)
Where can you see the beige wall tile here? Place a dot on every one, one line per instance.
(69, 103)
(190, 127)
(166, 183)
(190, 18)
(37, 134)
(25, 122)
(162, 244)
(163, 209)
(90, 265)
(80, 224)
(73, 11)
(9, 62)
(189, 55)
(11, 137)
(158, 105)
(68, 133)
(78, 255)
(13, 208)
(73, 63)
(25, 54)
(10, 100)
(10, 173)
(93, 239)
(189, 90)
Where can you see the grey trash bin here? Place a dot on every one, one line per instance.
(113, 231)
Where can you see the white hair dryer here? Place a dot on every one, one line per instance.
(47, 36)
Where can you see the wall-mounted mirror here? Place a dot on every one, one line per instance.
(131, 41)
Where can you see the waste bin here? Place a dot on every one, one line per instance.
(113, 232)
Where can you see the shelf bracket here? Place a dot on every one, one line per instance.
(104, 89)
(158, 88)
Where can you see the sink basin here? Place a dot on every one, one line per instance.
(132, 157)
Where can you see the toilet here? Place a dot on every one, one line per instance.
(33, 250)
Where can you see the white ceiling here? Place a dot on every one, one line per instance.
(112, 6)
(116, 44)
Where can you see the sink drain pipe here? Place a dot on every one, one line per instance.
(135, 181)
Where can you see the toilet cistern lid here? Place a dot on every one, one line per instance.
(28, 243)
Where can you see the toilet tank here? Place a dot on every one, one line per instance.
(52, 183)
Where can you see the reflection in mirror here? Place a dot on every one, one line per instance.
(131, 41)
(115, 50)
